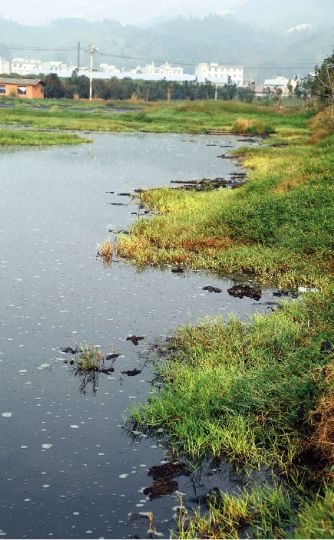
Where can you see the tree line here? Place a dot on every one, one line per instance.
(123, 89)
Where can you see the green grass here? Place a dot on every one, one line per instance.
(178, 117)
(267, 512)
(262, 513)
(247, 388)
(37, 138)
(316, 519)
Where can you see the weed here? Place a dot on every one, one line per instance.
(90, 359)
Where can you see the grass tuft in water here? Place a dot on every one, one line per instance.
(105, 251)
(90, 359)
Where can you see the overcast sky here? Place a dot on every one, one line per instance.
(125, 11)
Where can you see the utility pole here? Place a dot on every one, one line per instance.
(92, 50)
(78, 58)
(216, 92)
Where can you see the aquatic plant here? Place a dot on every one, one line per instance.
(90, 359)
(105, 251)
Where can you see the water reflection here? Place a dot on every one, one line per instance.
(89, 380)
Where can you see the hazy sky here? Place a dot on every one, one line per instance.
(125, 11)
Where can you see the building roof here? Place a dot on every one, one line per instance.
(24, 82)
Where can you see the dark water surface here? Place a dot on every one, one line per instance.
(68, 469)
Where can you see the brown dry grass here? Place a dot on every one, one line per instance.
(323, 418)
(207, 243)
(322, 125)
(242, 125)
(290, 183)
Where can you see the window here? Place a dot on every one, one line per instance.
(22, 90)
(2, 89)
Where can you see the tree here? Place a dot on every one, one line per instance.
(54, 87)
(323, 83)
(247, 94)
(82, 86)
(278, 95)
(304, 88)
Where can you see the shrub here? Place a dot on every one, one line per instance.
(323, 124)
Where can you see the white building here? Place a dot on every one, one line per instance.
(4, 65)
(111, 69)
(54, 66)
(217, 73)
(24, 66)
(281, 83)
(166, 70)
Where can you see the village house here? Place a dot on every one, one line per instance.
(25, 88)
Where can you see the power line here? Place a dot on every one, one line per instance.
(190, 64)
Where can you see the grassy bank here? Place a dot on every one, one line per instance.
(279, 226)
(37, 138)
(178, 117)
(257, 394)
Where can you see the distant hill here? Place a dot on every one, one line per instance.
(189, 40)
(284, 14)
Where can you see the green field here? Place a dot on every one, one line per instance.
(178, 117)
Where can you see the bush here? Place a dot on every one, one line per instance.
(243, 126)
(323, 124)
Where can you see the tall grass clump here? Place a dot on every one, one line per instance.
(244, 126)
(323, 124)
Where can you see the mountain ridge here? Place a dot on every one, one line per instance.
(187, 41)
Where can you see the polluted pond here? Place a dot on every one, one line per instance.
(76, 340)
